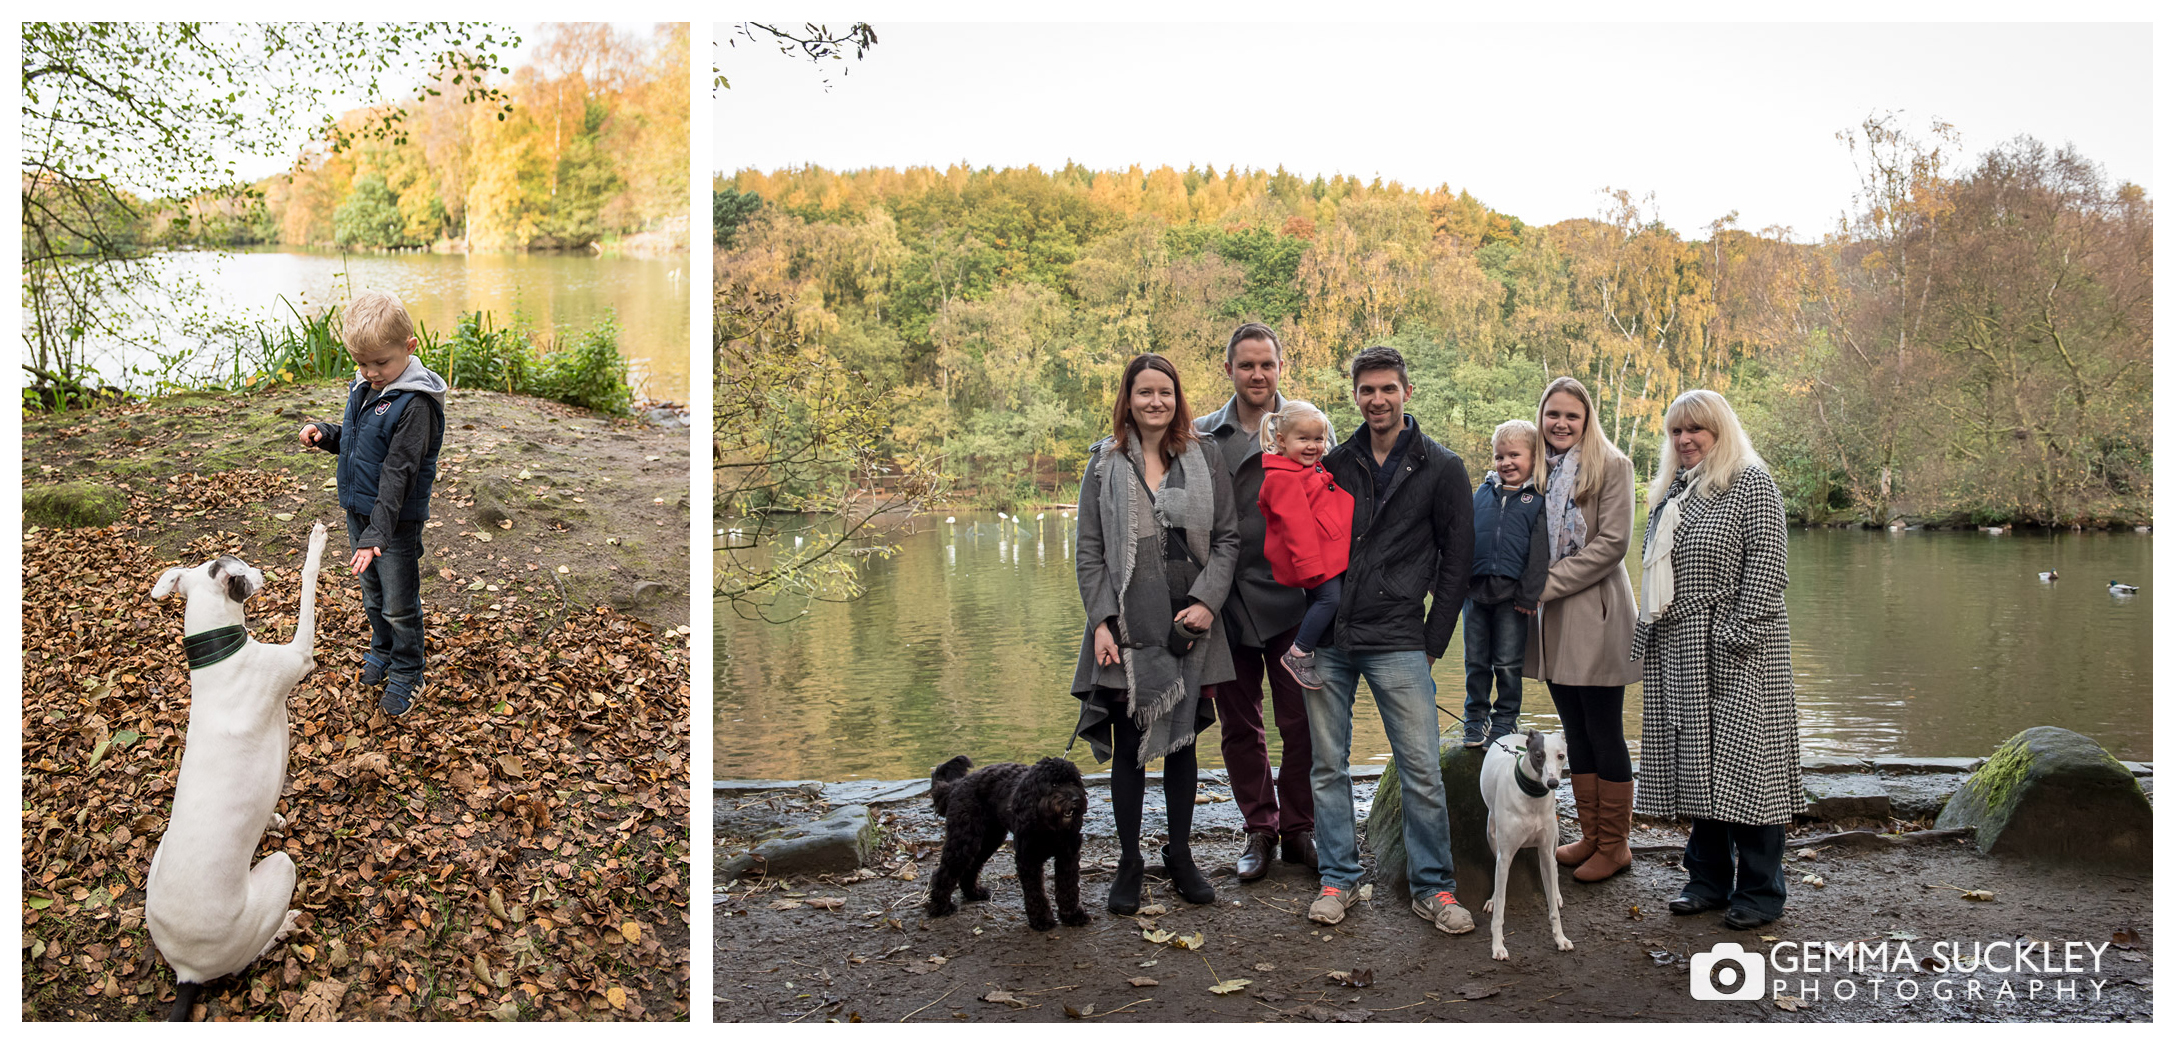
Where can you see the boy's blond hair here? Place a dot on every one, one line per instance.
(1277, 423)
(1522, 429)
(376, 320)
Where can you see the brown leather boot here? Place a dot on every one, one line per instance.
(1612, 833)
(1583, 796)
(1254, 860)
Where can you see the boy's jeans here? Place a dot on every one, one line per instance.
(393, 598)
(1495, 651)
(1406, 696)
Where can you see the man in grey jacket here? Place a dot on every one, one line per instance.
(1261, 617)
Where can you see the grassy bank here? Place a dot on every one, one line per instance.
(582, 370)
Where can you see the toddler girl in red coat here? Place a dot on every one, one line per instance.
(1308, 520)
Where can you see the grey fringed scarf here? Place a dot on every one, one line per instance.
(1157, 682)
(1567, 527)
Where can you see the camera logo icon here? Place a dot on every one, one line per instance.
(1728, 973)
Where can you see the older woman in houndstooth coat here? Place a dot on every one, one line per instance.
(1719, 742)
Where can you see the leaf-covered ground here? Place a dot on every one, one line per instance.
(515, 847)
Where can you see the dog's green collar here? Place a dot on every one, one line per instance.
(212, 646)
(1527, 784)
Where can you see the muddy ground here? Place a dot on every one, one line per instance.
(544, 503)
(513, 848)
(787, 951)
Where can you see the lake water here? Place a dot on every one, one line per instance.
(567, 293)
(1912, 643)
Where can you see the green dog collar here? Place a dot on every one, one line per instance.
(208, 648)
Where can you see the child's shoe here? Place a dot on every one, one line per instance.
(399, 696)
(373, 671)
(1302, 667)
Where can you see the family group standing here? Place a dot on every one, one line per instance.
(1250, 547)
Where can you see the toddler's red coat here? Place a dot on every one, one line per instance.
(1309, 522)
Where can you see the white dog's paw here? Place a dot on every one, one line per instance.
(1563, 944)
(1497, 952)
(287, 926)
(276, 822)
(317, 538)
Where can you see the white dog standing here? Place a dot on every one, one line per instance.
(210, 913)
(1519, 786)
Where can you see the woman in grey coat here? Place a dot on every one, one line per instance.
(1158, 541)
(1719, 743)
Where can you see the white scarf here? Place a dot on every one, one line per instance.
(1658, 579)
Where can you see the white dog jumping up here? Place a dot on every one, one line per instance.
(1519, 786)
(210, 913)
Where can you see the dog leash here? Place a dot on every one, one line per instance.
(209, 647)
(1518, 766)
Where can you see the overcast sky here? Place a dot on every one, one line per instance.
(1533, 119)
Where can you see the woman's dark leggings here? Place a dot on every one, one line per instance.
(1129, 785)
(1593, 729)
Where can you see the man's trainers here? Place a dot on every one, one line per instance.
(1302, 667)
(1329, 908)
(399, 696)
(1442, 909)
(373, 671)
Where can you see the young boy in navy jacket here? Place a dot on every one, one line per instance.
(1510, 566)
(387, 444)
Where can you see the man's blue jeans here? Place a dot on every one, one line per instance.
(1495, 654)
(393, 598)
(1405, 694)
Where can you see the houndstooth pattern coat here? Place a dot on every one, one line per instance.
(1720, 737)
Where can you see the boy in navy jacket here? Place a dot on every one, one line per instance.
(1510, 566)
(387, 445)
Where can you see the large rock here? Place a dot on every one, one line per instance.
(2055, 794)
(1472, 862)
(836, 844)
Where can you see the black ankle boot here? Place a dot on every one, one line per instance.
(1185, 878)
(1126, 887)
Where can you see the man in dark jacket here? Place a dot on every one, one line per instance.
(1261, 618)
(1412, 536)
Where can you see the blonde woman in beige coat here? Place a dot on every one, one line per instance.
(1582, 643)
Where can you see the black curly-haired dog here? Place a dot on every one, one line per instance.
(1041, 806)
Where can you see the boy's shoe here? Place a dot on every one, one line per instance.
(1302, 668)
(1329, 907)
(399, 696)
(1474, 740)
(373, 671)
(1443, 910)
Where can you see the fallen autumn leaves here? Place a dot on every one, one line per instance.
(516, 847)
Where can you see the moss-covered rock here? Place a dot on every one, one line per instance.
(2056, 794)
(67, 505)
(1473, 864)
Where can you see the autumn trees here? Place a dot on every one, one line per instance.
(1968, 342)
(119, 116)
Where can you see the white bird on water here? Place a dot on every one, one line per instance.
(2117, 588)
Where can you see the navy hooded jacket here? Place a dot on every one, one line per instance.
(387, 444)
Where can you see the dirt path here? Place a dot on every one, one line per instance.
(584, 510)
(515, 847)
(784, 952)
